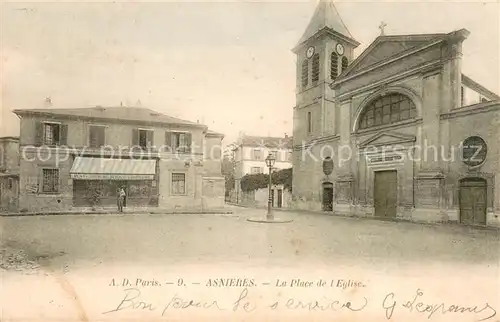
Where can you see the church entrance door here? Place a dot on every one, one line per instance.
(327, 196)
(472, 198)
(386, 194)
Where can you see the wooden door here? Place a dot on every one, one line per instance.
(473, 201)
(386, 193)
(280, 198)
(328, 197)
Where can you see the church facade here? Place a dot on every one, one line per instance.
(398, 132)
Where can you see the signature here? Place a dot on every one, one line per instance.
(416, 305)
(133, 300)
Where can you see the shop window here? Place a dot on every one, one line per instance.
(97, 136)
(178, 183)
(50, 183)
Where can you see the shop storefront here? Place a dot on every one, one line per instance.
(96, 181)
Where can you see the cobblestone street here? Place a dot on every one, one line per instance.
(63, 259)
(230, 238)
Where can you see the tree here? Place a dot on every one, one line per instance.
(252, 182)
(228, 172)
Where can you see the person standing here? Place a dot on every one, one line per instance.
(121, 199)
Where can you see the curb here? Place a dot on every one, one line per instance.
(73, 213)
(395, 220)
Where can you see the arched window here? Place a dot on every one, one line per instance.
(345, 62)
(315, 68)
(305, 73)
(334, 67)
(387, 109)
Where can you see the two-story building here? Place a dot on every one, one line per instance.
(9, 173)
(250, 152)
(403, 132)
(80, 157)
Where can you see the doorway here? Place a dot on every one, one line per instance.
(327, 196)
(386, 194)
(472, 200)
(280, 198)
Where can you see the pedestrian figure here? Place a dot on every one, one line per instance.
(121, 199)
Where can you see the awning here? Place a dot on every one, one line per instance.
(112, 169)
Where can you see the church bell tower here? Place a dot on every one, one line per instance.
(323, 52)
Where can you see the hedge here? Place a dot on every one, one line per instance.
(252, 182)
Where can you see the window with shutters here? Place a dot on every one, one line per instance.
(51, 133)
(50, 180)
(305, 73)
(315, 68)
(178, 183)
(257, 154)
(97, 136)
(179, 142)
(256, 170)
(345, 63)
(145, 138)
(334, 67)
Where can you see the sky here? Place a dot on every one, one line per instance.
(227, 64)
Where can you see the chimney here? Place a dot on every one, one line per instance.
(286, 136)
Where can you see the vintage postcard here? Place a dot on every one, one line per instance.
(303, 160)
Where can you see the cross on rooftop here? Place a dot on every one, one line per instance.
(381, 27)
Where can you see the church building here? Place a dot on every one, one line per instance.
(397, 132)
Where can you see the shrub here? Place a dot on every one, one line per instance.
(252, 182)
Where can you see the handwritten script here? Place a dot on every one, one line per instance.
(133, 300)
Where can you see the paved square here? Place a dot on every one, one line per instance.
(70, 263)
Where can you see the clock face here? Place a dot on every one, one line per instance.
(340, 49)
(310, 52)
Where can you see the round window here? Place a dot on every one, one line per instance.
(474, 151)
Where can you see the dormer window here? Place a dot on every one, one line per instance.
(315, 68)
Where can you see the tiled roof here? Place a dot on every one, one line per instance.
(325, 16)
(266, 141)
(139, 114)
(213, 133)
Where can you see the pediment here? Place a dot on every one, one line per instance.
(389, 47)
(387, 138)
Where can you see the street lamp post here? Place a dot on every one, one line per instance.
(270, 163)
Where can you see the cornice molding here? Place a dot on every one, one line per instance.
(343, 79)
(421, 69)
(471, 110)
